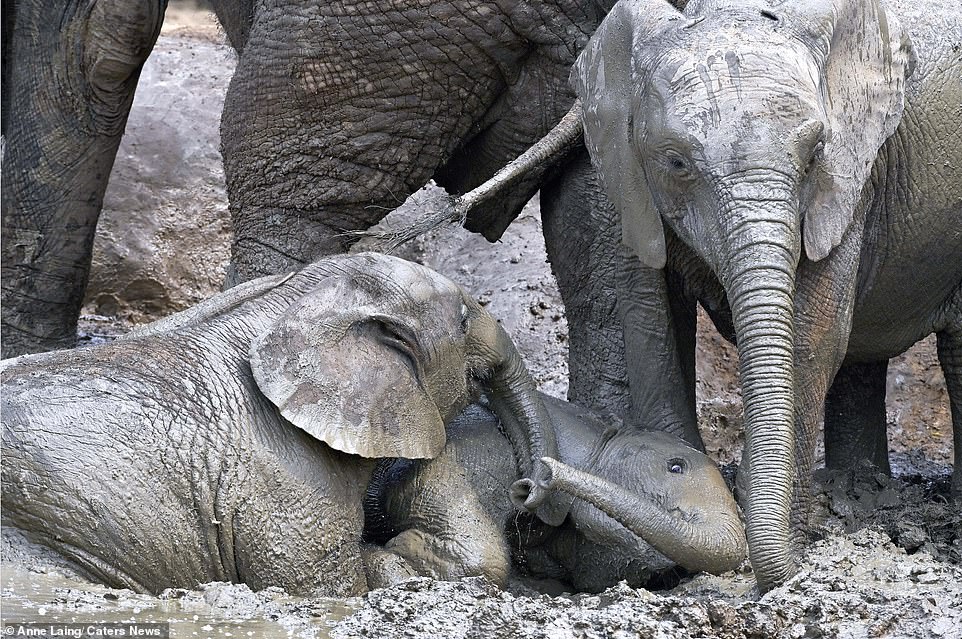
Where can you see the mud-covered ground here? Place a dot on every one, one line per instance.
(887, 565)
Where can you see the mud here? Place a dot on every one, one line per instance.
(888, 566)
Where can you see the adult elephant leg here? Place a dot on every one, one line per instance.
(950, 358)
(338, 111)
(631, 333)
(70, 69)
(855, 425)
(582, 237)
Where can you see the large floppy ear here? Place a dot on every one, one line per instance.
(602, 78)
(342, 383)
(865, 59)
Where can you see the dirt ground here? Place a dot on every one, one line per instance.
(887, 563)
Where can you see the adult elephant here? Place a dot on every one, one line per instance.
(234, 441)
(335, 114)
(783, 164)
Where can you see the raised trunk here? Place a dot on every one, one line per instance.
(525, 420)
(761, 285)
(710, 542)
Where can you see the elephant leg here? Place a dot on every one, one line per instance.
(950, 358)
(631, 333)
(446, 533)
(337, 112)
(824, 303)
(72, 74)
(582, 237)
(855, 424)
(659, 322)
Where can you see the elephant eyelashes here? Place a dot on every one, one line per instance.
(396, 336)
(677, 466)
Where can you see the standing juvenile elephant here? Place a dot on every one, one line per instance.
(797, 168)
(234, 441)
(451, 516)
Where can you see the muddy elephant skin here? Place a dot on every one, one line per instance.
(646, 501)
(335, 114)
(234, 441)
(797, 169)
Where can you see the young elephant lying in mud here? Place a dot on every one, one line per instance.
(234, 441)
(451, 516)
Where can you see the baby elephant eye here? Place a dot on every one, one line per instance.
(676, 466)
(464, 318)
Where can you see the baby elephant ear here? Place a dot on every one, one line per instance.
(602, 78)
(332, 373)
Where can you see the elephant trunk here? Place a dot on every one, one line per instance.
(514, 398)
(710, 542)
(760, 282)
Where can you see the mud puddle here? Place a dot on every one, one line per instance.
(213, 610)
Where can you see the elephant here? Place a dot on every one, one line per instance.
(234, 441)
(451, 516)
(795, 168)
(335, 114)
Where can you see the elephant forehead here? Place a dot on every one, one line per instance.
(726, 88)
(413, 281)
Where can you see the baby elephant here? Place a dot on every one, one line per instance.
(451, 516)
(234, 441)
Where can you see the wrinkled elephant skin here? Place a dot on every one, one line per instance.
(797, 168)
(234, 441)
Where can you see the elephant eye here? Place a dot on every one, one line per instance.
(395, 335)
(464, 319)
(677, 466)
(677, 166)
(816, 154)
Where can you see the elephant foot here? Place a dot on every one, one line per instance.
(385, 569)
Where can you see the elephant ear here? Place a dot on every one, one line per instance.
(866, 58)
(330, 374)
(602, 78)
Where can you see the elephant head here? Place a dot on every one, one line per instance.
(377, 357)
(638, 490)
(749, 128)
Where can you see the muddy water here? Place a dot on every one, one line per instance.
(214, 610)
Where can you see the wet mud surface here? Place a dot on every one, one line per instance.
(887, 566)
